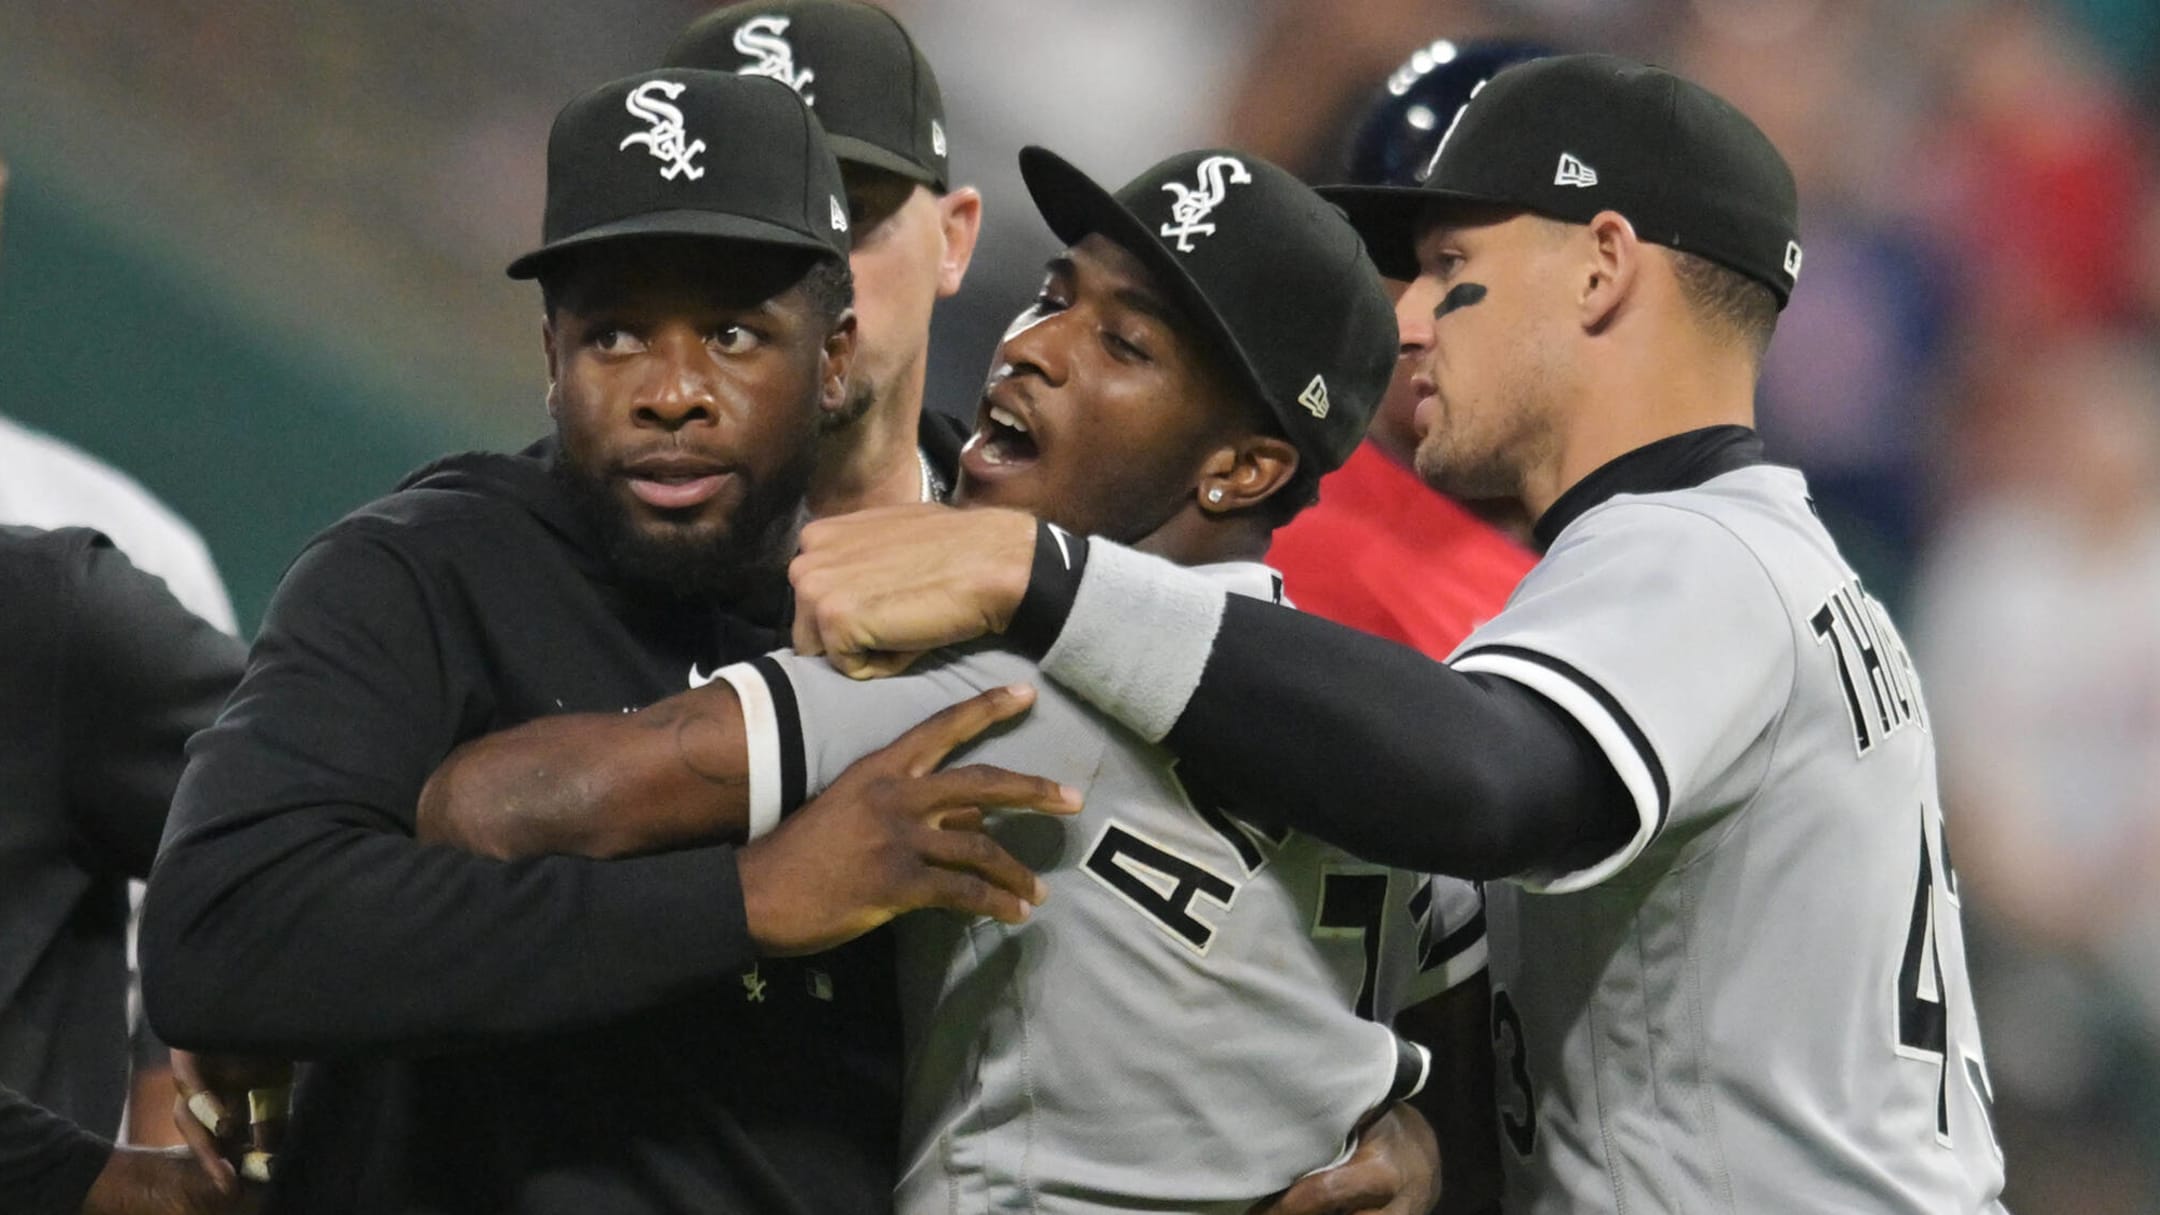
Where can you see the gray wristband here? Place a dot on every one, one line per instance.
(1138, 637)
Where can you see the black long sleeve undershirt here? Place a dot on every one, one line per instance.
(1401, 760)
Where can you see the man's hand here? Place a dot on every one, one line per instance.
(1395, 1171)
(876, 588)
(894, 835)
(231, 1111)
(163, 1181)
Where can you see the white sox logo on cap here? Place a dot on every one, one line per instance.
(1192, 205)
(667, 140)
(764, 39)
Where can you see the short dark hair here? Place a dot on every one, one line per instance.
(831, 287)
(827, 281)
(1727, 301)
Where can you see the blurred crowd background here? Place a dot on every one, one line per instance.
(252, 252)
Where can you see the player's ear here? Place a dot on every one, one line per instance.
(1611, 269)
(960, 220)
(836, 362)
(1245, 472)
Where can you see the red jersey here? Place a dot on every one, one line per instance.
(1387, 554)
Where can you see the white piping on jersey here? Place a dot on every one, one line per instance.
(1611, 738)
(761, 728)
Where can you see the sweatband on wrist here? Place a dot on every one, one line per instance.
(1053, 583)
(1137, 637)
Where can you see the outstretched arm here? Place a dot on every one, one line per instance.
(1296, 721)
(598, 784)
(293, 913)
(891, 834)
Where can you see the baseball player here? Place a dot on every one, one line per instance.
(563, 1036)
(1728, 971)
(911, 238)
(911, 232)
(1196, 1014)
(1381, 551)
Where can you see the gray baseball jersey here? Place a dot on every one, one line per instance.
(1194, 1018)
(1760, 1002)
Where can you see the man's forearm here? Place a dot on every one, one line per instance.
(1294, 721)
(597, 784)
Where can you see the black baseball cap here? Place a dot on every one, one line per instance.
(690, 153)
(1572, 135)
(1272, 274)
(853, 63)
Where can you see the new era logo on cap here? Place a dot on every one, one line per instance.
(937, 137)
(666, 139)
(1193, 204)
(1792, 259)
(1314, 398)
(1574, 172)
(764, 40)
(839, 214)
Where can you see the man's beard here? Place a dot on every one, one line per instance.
(750, 558)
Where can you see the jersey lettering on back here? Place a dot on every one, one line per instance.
(1881, 684)
(1761, 1002)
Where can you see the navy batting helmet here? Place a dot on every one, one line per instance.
(1394, 145)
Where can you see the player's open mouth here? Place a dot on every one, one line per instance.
(1002, 438)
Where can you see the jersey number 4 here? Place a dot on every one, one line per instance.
(1923, 1013)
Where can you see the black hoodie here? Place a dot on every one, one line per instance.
(555, 1035)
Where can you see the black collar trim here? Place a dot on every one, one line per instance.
(1680, 462)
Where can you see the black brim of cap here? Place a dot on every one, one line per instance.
(674, 223)
(849, 150)
(1387, 218)
(1075, 207)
